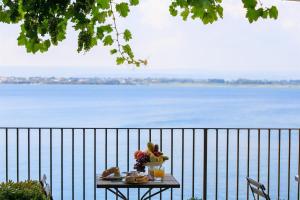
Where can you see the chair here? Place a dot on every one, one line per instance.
(46, 186)
(257, 189)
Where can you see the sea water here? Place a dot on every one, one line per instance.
(170, 106)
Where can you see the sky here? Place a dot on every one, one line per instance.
(230, 48)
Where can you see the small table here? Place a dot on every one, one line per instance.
(113, 186)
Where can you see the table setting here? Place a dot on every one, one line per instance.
(148, 172)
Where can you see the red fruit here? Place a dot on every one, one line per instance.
(140, 155)
(136, 154)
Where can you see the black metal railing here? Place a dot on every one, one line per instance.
(209, 163)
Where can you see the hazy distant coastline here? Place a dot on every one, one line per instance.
(144, 81)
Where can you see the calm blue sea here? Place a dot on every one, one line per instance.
(148, 106)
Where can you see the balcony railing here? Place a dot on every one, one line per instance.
(209, 163)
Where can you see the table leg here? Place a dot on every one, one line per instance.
(152, 195)
(117, 193)
(146, 193)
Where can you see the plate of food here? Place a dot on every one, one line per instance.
(113, 178)
(136, 179)
(111, 174)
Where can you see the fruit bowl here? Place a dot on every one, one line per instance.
(152, 157)
(153, 164)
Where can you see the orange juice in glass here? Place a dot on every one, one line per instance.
(159, 173)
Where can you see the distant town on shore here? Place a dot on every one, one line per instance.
(142, 81)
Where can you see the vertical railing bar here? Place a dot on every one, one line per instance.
(40, 160)
(117, 147)
(73, 131)
(160, 138)
(289, 164)
(161, 150)
(182, 164)
(62, 162)
(258, 157)
(139, 139)
(83, 171)
(269, 146)
(298, 189)
(237, 163)
(139, 147)
(128, 140)
(278, 175)
(217, 162)
(205, 137)
(51, 186)
(248, 161)
(28, 153)
(117, 151)
(17, 155)
(227, 156)
(150, 140)
(95, 162)
(193, 166)
(6, 155)
(105, 139)
(172, 142)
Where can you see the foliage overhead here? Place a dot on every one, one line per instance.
(44, 22)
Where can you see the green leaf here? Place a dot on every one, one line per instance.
(252, 15)
(108, 40)
(127, 49)
(273, 12)
(104, 4)
(173, 11)
(219, 10)
(265, 14)
(101, 17)
(137, 64)
(22, 39)
(122, 9)
(107, 28)
(250, 3)
(100, 33)
(198, 12)
(134, 2)
(127, 35)
(120, 60)
(4, 17)
(185, 13)
(102, 30)
(45, 46)
(113, 51)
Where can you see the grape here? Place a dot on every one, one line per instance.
(143, 159)
(139, 167)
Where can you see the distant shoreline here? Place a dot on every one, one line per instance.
(149, 81)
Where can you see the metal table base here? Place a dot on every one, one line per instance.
(146, 196)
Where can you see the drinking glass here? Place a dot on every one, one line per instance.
(159, 173)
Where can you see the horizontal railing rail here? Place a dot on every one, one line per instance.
(152, 128)
(209, 163)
